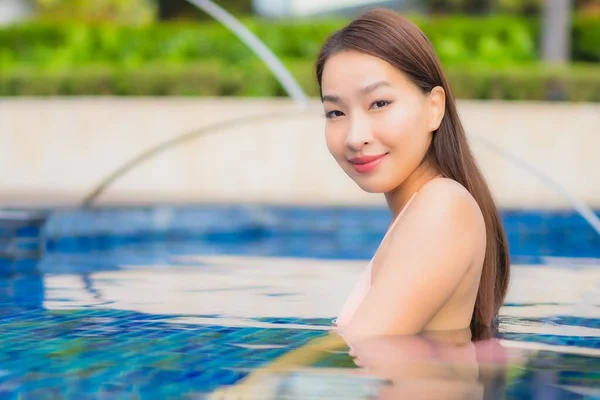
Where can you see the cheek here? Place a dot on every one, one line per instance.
(402, 128)
(335, 140)
(394, 128)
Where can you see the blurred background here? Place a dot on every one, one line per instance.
(94, 84)
(493, 49)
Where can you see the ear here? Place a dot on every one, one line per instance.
(437, 107)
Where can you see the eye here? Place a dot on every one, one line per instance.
(333, 114)
(380, 103)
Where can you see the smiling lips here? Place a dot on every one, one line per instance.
(366, 163)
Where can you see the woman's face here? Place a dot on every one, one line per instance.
(379, 124)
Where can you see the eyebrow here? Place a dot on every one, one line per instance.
(373, 86)
(367, 89)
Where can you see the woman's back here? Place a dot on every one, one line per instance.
(452, 312)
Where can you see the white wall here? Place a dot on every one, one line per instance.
(54, 152)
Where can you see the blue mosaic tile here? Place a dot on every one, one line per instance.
(304, 232)
(199, 359)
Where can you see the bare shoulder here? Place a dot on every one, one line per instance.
(443, 212)
(430, 251)
(444, 199)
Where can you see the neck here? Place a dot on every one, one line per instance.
(398, 197)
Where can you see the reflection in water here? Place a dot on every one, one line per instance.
(432, 365)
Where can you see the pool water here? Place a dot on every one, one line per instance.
(237, 303)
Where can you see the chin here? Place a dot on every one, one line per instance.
(373, 186)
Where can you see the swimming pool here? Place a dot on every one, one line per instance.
(179, 302)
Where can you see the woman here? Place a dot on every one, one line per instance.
(440, 274)
(393, 127)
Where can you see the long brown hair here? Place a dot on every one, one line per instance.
(389, 36)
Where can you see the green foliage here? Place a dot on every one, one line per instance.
(485, 57)
(494, 41)
(527, 7)
(515, 7)
(586, 37)
(237, 7)
(185, 10)
(459, 6)
(215, 78)
(116, 11)
(534, 82)
(50, 44)
(491, 41)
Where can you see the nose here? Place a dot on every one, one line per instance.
(359, 134)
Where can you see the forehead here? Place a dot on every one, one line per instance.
(352, 69)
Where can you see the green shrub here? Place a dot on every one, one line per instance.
(457, 40)
(116, 11)
(214, 78)
(536, 82)
(586, 37)
(486, 58)
(497, 40)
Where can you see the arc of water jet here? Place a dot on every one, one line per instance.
(579, 206)
(164, 146)
(282, 74)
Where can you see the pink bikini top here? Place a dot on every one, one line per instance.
(364, 283)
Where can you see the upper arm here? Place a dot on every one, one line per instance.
(428, 254)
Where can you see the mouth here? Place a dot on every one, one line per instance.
(366, 164)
